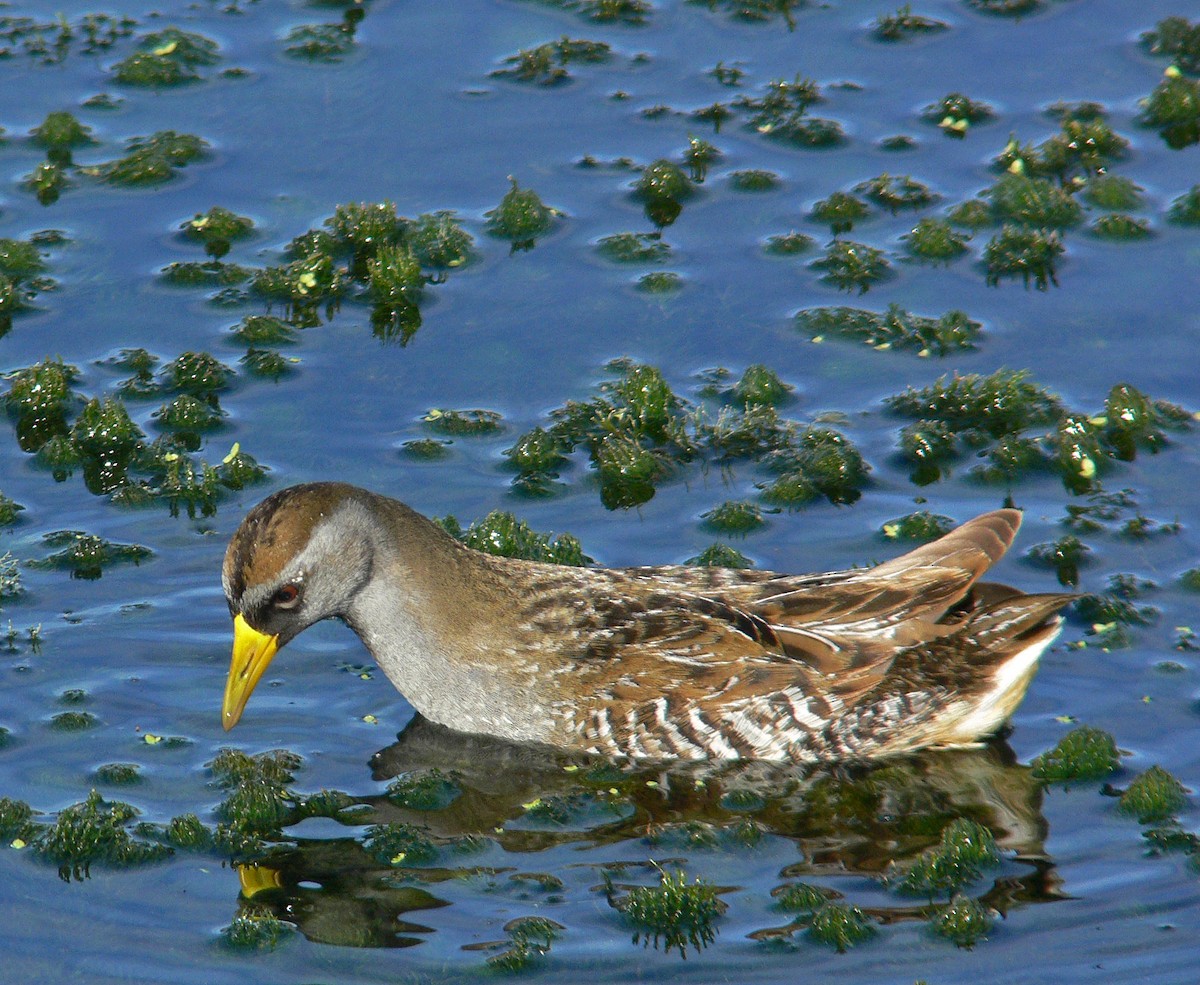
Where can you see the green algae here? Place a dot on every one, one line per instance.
(73, 721)
(86, 555)
(849, 266)
(781, 113)
(9, 508)
(168, 57)
(840, 211)
(1064, 556)
(802, 897)
(255, 929)
(118, 774)
(660, 282)
(893, 329)
(1185, 210)
(1153, 796)
(974, 213)
(1177, 38)
(47, 182)
(16, 820)
(956, 113)
(965, 852)
(964, 921)
(264, 330)
(60, 133)
(424, 790)
(547, 63)
(503, 534)
(896, 192)
(753, 180)
(788, 244)
(303, 287)
(1084, 753)
(663, 180)
(919, 526)
(1173, 108)
(210, 274)
(675, 913)
(258, 798)
(1123, 228)
(91, 832)
(634, 248)
(734, 517)
(904, 24)
(328, 43)
(439, 240)
(528, 938)
(720, 556)
(840, 925)
(150, 160)
(935, 241)
(1030, 254)
(399, 845)
(217, 229)
(1033, 201)
(1113, 192)
(760, 385)
(520, 217)
(462, 423)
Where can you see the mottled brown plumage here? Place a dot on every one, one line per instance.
(656, 662)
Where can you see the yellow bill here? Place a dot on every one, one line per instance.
(252, 651)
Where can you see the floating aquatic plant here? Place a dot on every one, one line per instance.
(1030, 254)
(788, 244)
(964, 921)
(503, 534)
(966, 850)
(1173, 108)
(1084, 753)
(893, 329)
(167, 58)
(91, 832)
(955, 113)
(521, 216)
(841, 925)
(935, 241)
(399, 845)
(634, 248)
(1153, 796)
(919, 526)
(255, 929)
(151, 160)
(217, 229)
(840, 211)
(1179, 39)
(904, 24)
(896, 192)
(547, 63)
(848, 265)
(753, 180)
(720, 556)
(675, 912)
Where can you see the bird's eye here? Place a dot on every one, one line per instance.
(287, 597)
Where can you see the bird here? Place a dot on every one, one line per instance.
(645, 663)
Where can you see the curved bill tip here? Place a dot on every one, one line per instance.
(252, 652)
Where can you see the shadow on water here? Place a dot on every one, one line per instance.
(872, 821)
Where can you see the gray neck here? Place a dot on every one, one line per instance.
(419, 615)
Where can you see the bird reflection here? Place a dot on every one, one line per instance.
(865, 820)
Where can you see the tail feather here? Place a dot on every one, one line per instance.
(1009, 623)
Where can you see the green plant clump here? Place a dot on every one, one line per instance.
(660, 282)
(1173, 108)
(966, 850)
(734, 517)
(547, 63)
(521, 216)
(955, 114)
(753, 180)
(848, 265)
(94, 831)
(781, 113)
(788, 244)
(720, 556)
(761, 386)
(217, 229)
(893, 329)
(328, 43)
(841, 925)
(187, 832)
(440, 241)
(1125, 228)
(258, 800)
(424, 790)
(802, 897)
(1113, 192)
(935, 241)
(166, 58)
(118, 774)
(840, 211)
(1030, 254)
(151, 160)
(675, 912)
(1153, 796)
(964, 921)
(503, 534)
(255, 929)
(463, 422)
(399, 845)
(634, 248)
(9, 509)
(904, 24)
(919, 526)
(896, 192)
(1084, 753)
(16, 820)
(1178, 38)
(263, 330)
(1185, 210)
(1033, 202)
(60, 133)
(86, 555)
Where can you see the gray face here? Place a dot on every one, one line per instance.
(299, 557)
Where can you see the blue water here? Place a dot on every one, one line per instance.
(412, 116)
